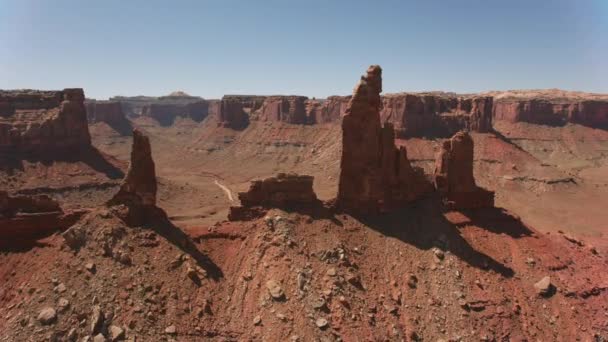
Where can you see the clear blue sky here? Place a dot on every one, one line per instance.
(314, 48)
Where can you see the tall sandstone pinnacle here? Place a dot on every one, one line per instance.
(138, 189)
(375, 175)
(454, 175)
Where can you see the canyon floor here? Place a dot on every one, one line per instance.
(419, 274)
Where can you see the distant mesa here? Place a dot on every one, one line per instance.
(178, 93)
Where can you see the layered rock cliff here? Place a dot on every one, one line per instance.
(234, 110)
(109, 112)
(289, 109)
(436, 114)
(43, 121)
(454, 175)
(592, 113)
(375, 175)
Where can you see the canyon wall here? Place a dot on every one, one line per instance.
(436, 114)
(592, 113)
(289, 109)
(43, 121)
(234, 110)
(108, 112)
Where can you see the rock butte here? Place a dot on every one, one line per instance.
(454, 175)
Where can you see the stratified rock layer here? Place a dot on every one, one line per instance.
(375, 175)
(234, 110)
(27, 218)
(454, 175)
(289, 109)
(137, 192)
(43, 121)
(592, 113)
(437, 114)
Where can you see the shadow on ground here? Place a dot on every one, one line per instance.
(160, 224)
(423, 224)
(90, 156)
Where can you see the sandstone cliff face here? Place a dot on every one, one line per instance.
(592, 113)
(137, 194)
(328, 110)
(289, 109)
(43, 121)
(454, 175)
(108, 112)
(375, 175)
(234, 110)
(415, 115)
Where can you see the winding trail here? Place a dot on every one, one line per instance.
(225, 189)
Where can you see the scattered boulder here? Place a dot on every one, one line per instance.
(454, 175)
(47, 316)
(116, 333)
(275, 290)
(171, 330)
(322, 323)
(97, 319)
(544, 287)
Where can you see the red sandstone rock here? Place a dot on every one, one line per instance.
(110, 113)
(593, 113)
(437, 114)
(289, 109)
(137, 192)
(28, 218)
(43, 121)
(234, 110)
(286, 191)
(375, 176)
(454, 175)
(329, 110)
(280, 191)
